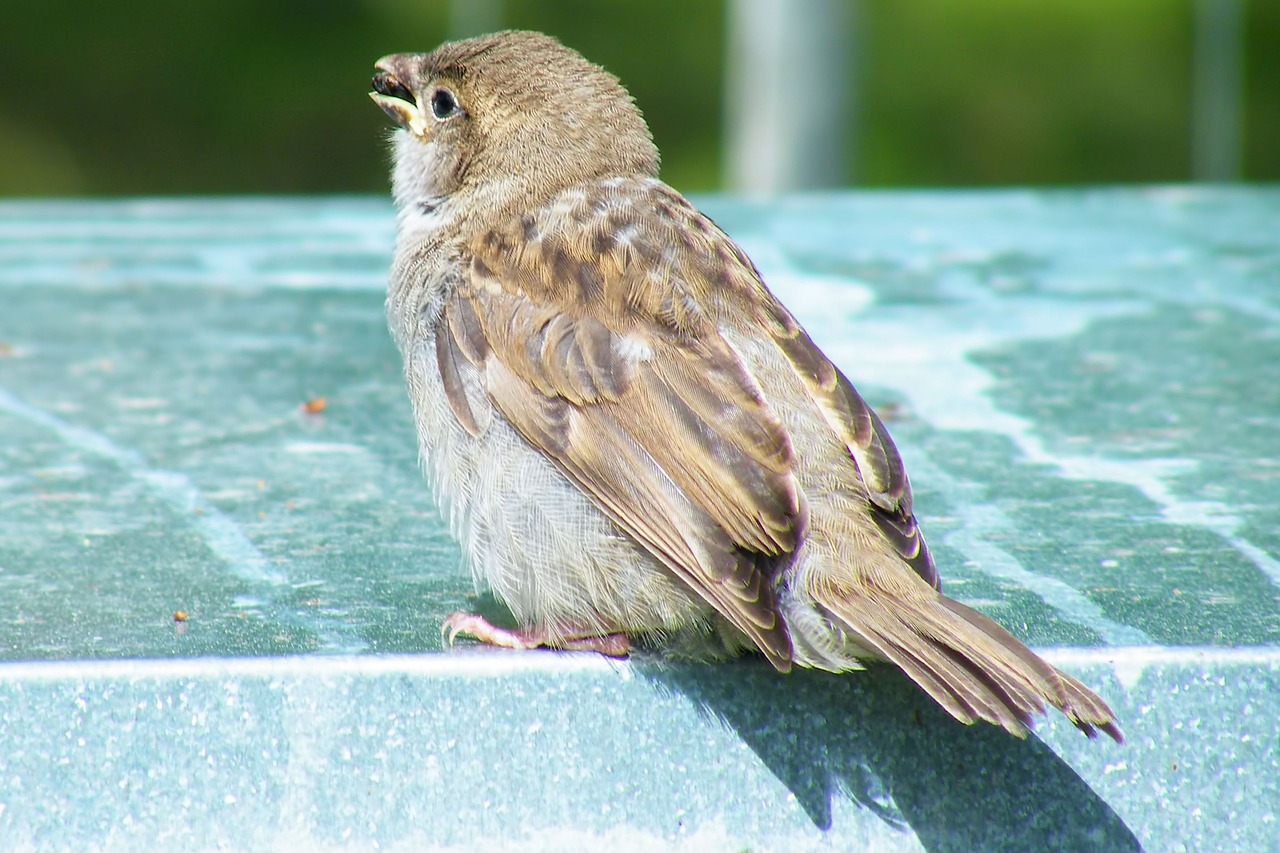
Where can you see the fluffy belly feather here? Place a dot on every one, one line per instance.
(528, 535)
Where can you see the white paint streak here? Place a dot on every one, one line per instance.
(307, 448)
(490, 663)
(220, 533)
(982, 524)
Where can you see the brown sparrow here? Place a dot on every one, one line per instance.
(634, 439)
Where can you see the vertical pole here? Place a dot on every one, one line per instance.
(1217, 110)
(788, 94)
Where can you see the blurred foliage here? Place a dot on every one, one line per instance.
(267, 96)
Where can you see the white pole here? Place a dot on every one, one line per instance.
(1217, 111)
(788, 95)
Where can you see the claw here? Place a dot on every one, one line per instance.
(481, 629)
(448, 632)
(472, 625)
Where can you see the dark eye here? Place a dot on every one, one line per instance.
(443, 104)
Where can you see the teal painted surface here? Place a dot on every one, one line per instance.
(1085, 386)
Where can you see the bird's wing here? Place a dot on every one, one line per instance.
(584, 325)
(859, 428)
(732, 284)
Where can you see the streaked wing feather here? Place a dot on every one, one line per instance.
(865, 436)
(448, 356)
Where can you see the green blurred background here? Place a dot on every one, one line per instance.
(268, 96)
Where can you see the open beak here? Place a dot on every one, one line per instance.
(398, 101)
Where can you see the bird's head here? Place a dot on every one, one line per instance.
(508, 114)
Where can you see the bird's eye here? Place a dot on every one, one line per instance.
(443, 104)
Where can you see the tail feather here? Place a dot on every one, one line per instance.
(951, 693)
(1023, 702)
(1088, 712)
(1083, 707)
(977, 695)
(1038, 672)
(1022, 675)
(971, 666)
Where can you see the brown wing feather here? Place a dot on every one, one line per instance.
(884, 477)
(865, 436)
(609, 368)
(454, 365)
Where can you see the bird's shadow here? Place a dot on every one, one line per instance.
(881, 742)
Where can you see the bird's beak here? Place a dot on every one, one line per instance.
(398, 101)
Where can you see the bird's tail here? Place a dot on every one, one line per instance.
(969, 664)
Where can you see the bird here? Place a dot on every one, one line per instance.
(634, 441)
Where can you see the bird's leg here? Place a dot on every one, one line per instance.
(479, 628)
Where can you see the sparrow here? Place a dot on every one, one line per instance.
(633, 440)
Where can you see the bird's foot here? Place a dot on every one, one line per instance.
(479, 628)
